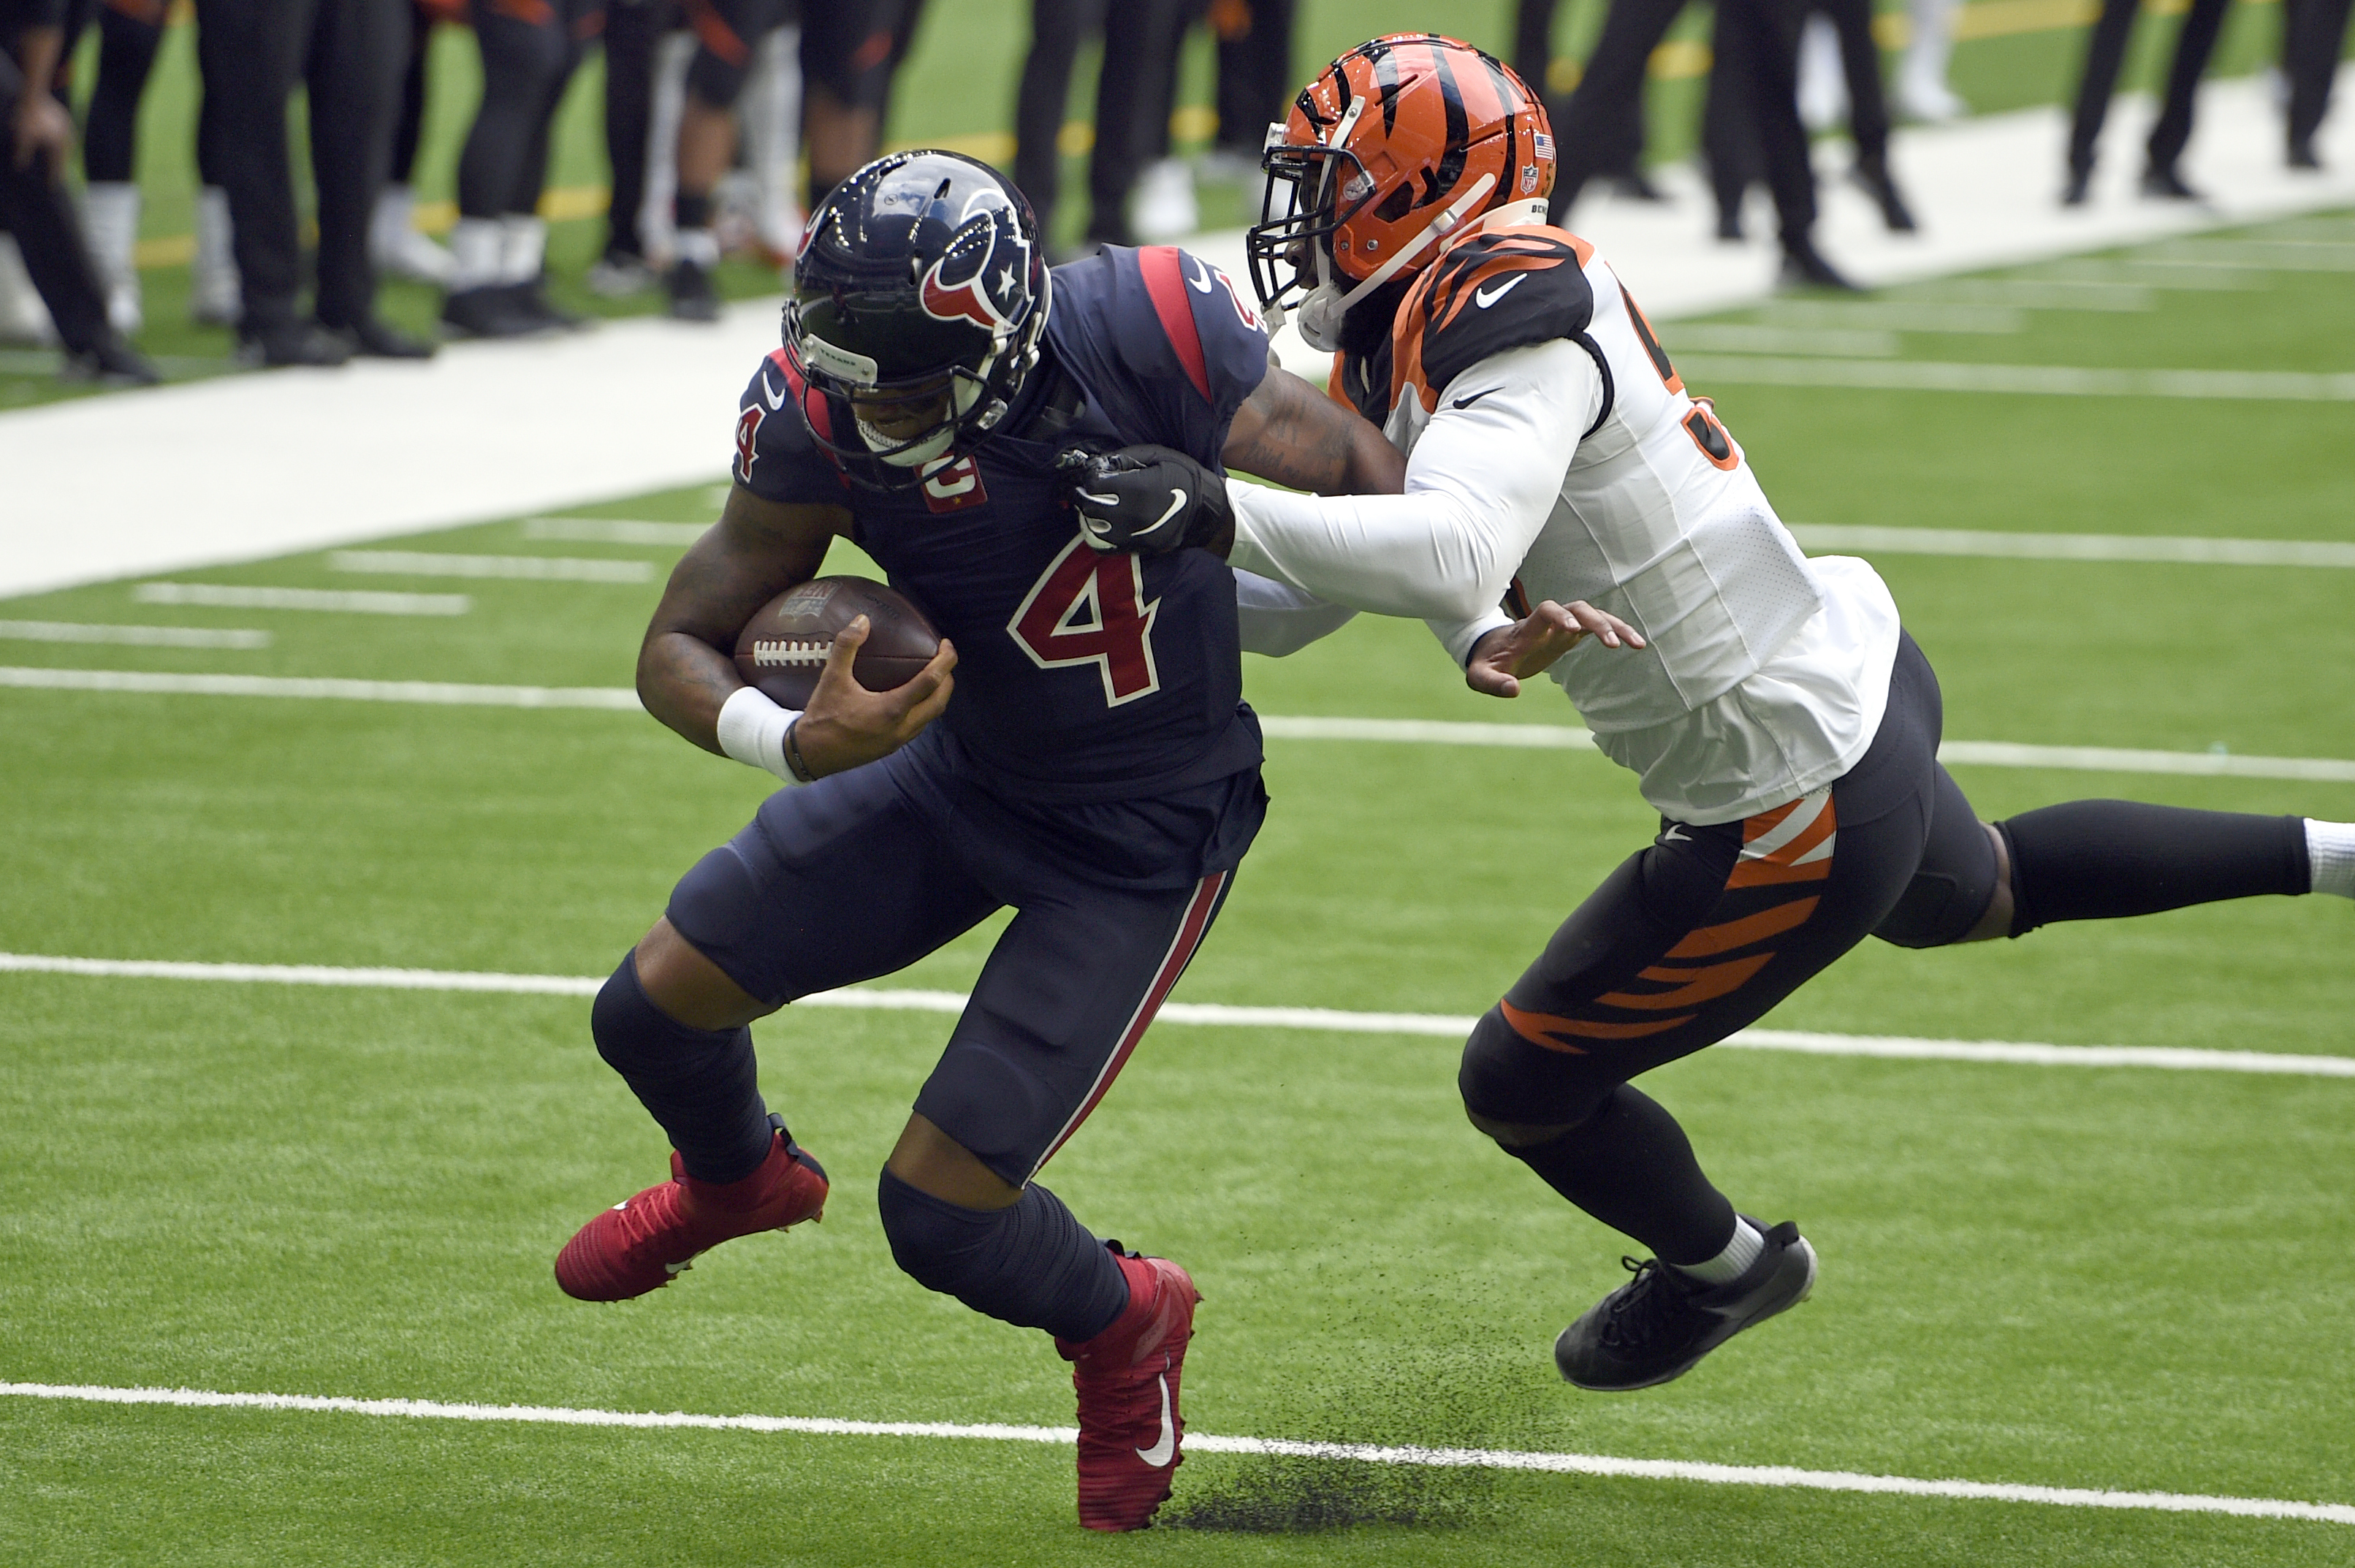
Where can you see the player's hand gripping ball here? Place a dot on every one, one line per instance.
(783, 648)
(1150, 499)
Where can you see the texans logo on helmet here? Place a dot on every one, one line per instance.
(984, 267)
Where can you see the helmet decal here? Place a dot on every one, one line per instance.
(972, 281)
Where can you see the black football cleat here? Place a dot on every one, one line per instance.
(531, 302)
(1654, 1328)
(1804, 270)
(693, 297)
(489, 312)
(1877, 184)
(2166, 185)
(293, 343)
(372, 339)
(2080, 185)
(110, 362)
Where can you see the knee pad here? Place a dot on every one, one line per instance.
(1504, 1079)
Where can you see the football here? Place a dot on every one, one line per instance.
(783, 646)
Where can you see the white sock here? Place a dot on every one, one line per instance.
(1731, 1264)
(700, 246)
(216, 286)
(389, 225)
(526, 248)
(2330, 856)
(477, 253)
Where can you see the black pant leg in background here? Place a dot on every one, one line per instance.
(1728, 147)
(633, 29)
(1772, 79)
(2193, 45)
(38, 210)
(1868, 103)
(1255, 82)
(126, 55)
(525, 65)
(2314, 33)
(1591, 135)
(2105, 54)
(359, 52)
(250, 52)
(1140, 43)
(1057, 27)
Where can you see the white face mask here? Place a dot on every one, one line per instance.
(1319, 315)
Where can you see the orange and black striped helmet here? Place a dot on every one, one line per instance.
(1403, 135)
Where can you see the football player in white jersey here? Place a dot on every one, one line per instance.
(1777, 715)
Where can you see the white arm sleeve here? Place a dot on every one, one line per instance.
(1480, 484)
(1279, 620)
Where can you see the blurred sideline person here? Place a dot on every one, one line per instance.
(634, 34)
(1726, 114)
(2105, 53)
(498, 251)
(129, 33)
(1140, 40)
(349, 54)
(34, 204)
(395, 241)
(1097, 772)
(1781, 721)
(1255, 79)
(1621, 161)
(2314, 36)
(1921, 89)
(1595, 121)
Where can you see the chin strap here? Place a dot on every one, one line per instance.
(1321, 312)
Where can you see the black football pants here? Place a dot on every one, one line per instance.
(1729, 145)
(38, 210)
(1699, 934)
(1590, 134)
(2314, 33)
(350, 54)
(1141, 39)
(2105, 54)
(529, 50)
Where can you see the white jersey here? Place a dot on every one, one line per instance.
(1553, 453)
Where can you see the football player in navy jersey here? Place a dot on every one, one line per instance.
(1093, 767)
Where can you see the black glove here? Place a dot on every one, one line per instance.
(1150, 499)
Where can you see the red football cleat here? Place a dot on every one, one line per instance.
(1127, 1382)
(644, 1242)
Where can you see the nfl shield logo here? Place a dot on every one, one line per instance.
(1528, 178)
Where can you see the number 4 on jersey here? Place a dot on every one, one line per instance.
(1091, 609)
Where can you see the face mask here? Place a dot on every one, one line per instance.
(1319, 316)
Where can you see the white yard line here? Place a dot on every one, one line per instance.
(134, 636)
(612, 530)
(2074, 547)
(1215, 1014)
(2050, 381)
(1777, 1476)
(1277, 727)
(336, 601)
(520, 568)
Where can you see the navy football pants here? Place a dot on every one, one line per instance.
(864, 872)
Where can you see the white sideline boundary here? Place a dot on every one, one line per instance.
(1215, 1014)
(1276, 726)
(1998, 545)
(1779, 1476)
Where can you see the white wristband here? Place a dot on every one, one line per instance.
(752, 730)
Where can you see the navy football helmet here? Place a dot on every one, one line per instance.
(919, 296)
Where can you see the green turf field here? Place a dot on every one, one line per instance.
(2070, 1276)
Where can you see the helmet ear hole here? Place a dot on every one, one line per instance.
(1398, 204)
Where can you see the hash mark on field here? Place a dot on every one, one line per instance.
(2057, 380)
(521, 568)
(136, 636)
(1779, 1476)
(226, 596)
(2001, 545)
(1216, 1015)
(612, 530)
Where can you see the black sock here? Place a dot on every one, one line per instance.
(1032, 1265)
(691, 211)
(702, 1085)
(1631, 1167)
(2101, 859)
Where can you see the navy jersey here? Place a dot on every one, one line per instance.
(1079, 675)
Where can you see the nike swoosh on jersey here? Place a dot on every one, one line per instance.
(1675, 835)
(1165, 1447)
(1200, 281)
(1484, 298)
(1467, 403)
(773, 396)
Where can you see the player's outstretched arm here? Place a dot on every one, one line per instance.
(1290, 434)
(1507, 656)
(687, 668)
